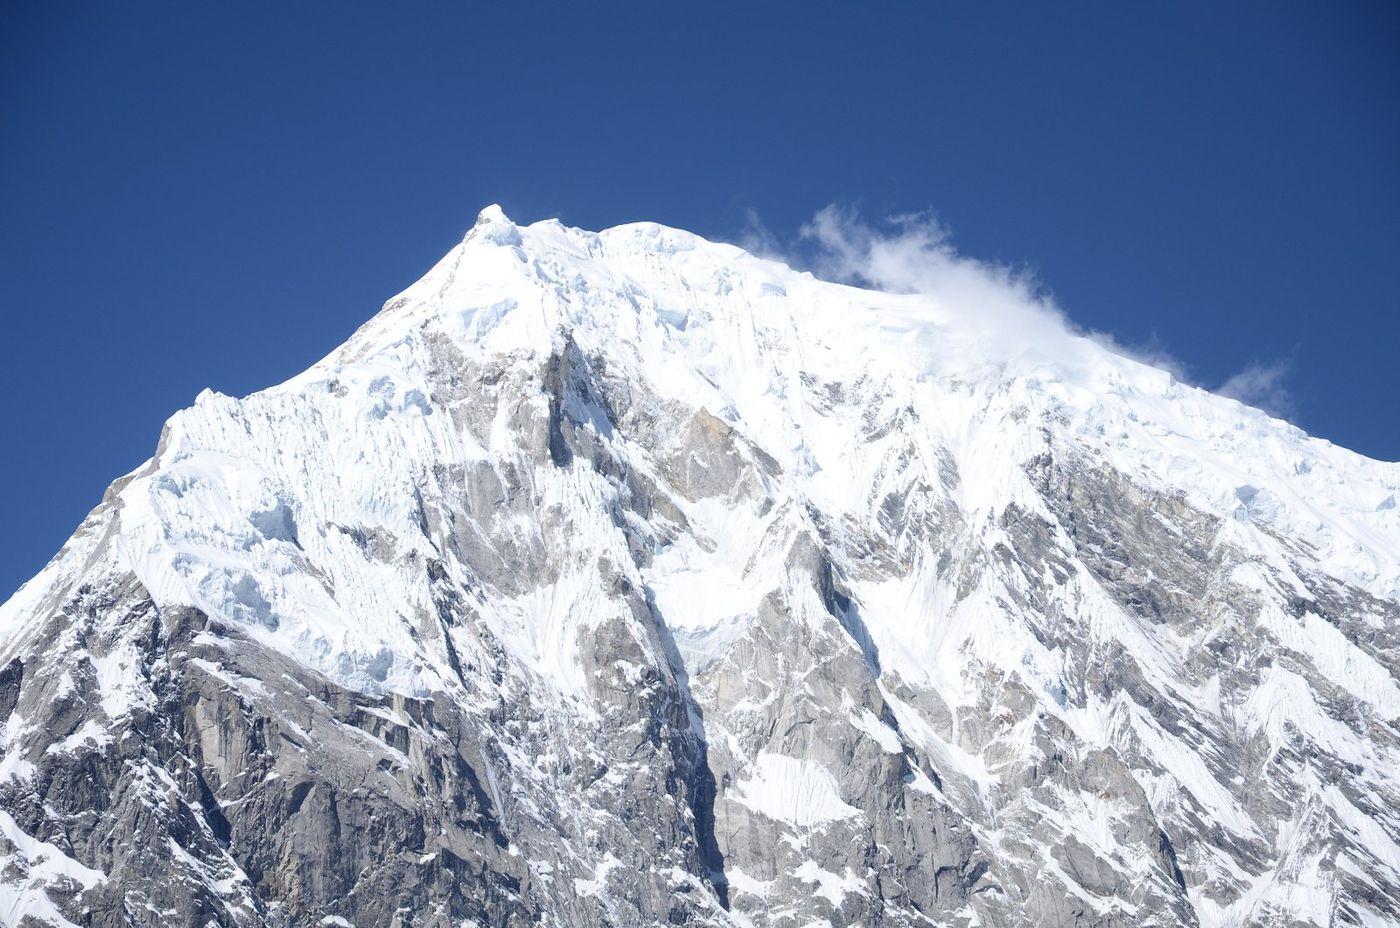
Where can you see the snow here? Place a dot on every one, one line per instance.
(1188, 772)
(867, 722)
(799, 792)
(29, 870)
(1350, 667)
(832, 887)
(234, 681)
(947, 753)
(707, 584)
(227, 881)
(598, 884)
(705, 323)
(741, 882)
(1283, 700)
(90, 733)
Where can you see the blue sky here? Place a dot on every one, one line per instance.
(198, 195)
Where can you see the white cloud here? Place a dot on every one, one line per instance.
(1007, 311)
(1261, 385)
(757, 239)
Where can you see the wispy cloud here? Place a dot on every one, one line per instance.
(1008, 309)
(757, 239)
(1261, 385)
(1005, 308)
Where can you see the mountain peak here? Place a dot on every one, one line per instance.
(590, 542)
(494, 226)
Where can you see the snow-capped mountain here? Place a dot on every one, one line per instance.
(626, 578)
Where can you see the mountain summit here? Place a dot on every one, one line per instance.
(626, 578)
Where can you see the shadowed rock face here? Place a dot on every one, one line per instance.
(453, 631)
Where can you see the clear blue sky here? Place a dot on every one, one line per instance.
(215, 195)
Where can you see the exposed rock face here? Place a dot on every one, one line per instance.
(626, 579)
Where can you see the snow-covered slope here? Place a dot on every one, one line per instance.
(625, 578)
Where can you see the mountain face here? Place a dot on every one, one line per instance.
(629, 579)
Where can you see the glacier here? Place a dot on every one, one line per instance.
(627, 578)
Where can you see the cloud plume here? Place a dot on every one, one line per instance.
(1005, 311)
(1261, 385)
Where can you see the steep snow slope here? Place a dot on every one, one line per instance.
(625, 577)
